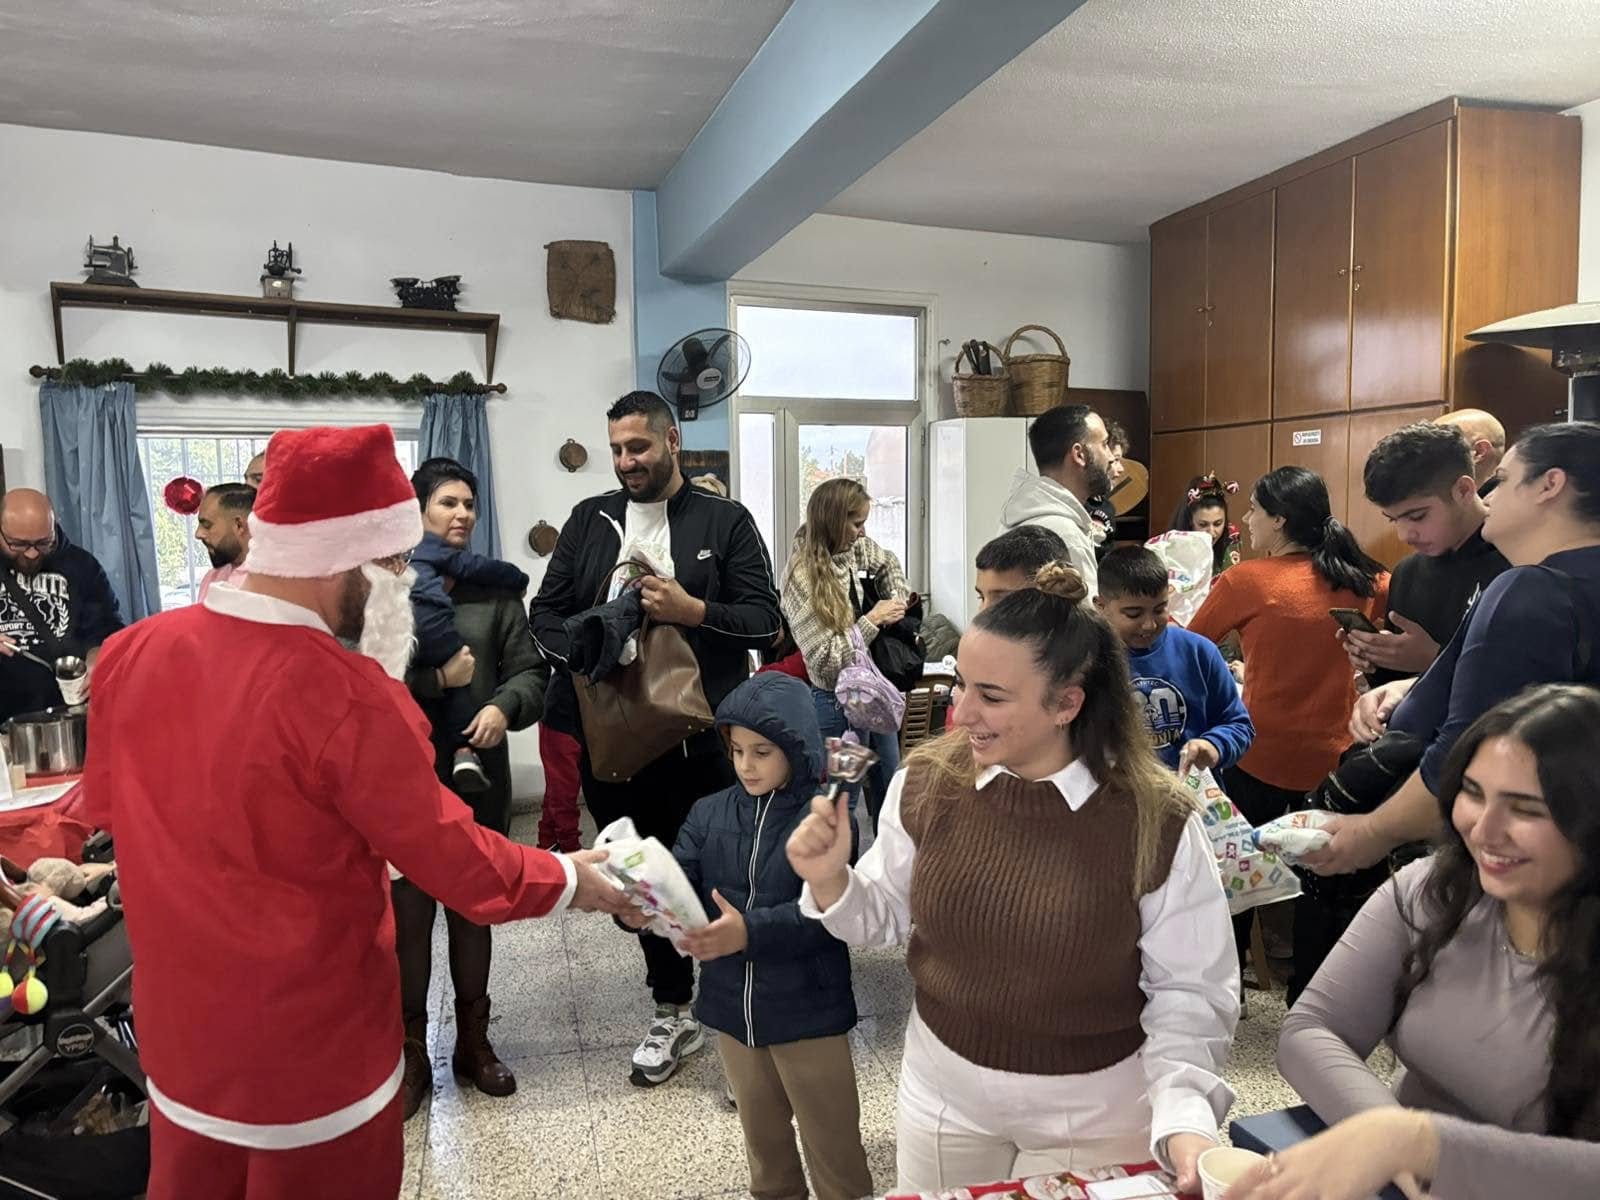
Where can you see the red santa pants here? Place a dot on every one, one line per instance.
(558, 822)
(364, 1164)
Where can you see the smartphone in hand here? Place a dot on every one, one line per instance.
(1352, 620)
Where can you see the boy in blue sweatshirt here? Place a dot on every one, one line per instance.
(774, 985)
(1191, 703)
(434, 561)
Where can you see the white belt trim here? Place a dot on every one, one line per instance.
(280, 1137)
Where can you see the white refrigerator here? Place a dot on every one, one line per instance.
(971, 463)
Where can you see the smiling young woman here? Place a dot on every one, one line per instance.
(1481, 967)
(1075, 985)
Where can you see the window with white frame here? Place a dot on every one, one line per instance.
(834, 389)
(210, 456)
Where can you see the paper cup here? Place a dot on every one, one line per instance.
(73, 691)
(1223, 1166)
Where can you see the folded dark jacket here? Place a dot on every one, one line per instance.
(597, 635)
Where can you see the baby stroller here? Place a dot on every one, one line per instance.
(68, 1104)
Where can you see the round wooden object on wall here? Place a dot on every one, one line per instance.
(542, 538)
(572, 455)
(1133, 487)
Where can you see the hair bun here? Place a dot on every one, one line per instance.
(1061, 579)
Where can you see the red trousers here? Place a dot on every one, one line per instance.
(558, 822)
(364, 1164)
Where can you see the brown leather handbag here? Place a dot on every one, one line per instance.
(639, 712)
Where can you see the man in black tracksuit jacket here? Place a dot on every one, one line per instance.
(724, 599)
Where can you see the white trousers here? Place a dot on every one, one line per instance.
(959, 1124)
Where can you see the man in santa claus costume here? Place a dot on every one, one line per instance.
(257, 775)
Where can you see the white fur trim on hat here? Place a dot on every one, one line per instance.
(312, 549)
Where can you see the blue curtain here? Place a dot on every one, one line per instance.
(92, 476)
(458, 427)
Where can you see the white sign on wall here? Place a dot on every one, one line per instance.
(1308, 437)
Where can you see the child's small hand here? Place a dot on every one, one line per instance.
(726, 935)
(1198, 755)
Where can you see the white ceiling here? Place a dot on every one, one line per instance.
(605, 93)
(1129, 110)
(1132, 109)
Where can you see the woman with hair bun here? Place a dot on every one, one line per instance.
(1076, 991)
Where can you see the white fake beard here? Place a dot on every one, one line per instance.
(389, 627)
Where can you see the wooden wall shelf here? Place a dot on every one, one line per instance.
(292, 312)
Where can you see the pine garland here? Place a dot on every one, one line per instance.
(192, 380)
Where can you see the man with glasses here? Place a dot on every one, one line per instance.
(55, 600)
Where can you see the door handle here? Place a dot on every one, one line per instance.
(1357, 267)
(1344, 271)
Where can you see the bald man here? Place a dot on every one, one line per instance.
(257, 470)
(1486, 436)
(55, 600)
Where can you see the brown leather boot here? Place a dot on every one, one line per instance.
(474, 1059)
(418, 1079)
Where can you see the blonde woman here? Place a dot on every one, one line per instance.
(822, 597)
(1076, 992)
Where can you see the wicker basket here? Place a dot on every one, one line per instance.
(980, 395)
(1038, 381)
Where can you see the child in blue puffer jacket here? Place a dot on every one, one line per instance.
(774, 985)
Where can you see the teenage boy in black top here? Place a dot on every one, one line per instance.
(1421, 478)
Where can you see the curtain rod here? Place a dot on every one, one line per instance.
(42, 372)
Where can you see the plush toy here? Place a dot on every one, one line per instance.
(58, 881)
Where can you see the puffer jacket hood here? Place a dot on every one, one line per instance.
(1034, 499)
(780, 708)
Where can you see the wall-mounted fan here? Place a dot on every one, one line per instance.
(703, 369)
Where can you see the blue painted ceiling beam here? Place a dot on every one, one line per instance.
(836, 87)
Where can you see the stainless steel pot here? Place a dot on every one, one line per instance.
(52, 742)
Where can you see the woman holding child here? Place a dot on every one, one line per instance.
(503, 679)
(1076, 990)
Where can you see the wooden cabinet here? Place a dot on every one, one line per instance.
(1400, 282)
(1239, 312)
(1366, 265)
(1320, 444)
(1211, 318)
(1369, 525)
(1178, 326)
(1241, 454)
(1175, 458)
(1311, 330)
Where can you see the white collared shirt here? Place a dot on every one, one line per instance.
(1189, 972)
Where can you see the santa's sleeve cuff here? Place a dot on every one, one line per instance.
(572, 884)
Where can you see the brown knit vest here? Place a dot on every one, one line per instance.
(1025, 947)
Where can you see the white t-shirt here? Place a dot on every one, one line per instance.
(644, 525)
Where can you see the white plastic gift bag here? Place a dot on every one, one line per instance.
(1251, 876)
(645, 870)
(1187, 556)
(1294, 835)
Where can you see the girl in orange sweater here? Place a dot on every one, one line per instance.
(1298, 685)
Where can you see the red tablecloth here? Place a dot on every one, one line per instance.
(49, 831)
(1069, 1185)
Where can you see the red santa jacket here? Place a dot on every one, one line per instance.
(256, 776)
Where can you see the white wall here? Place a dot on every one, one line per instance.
(1589, 211)
(200, 219)
(1095, 295)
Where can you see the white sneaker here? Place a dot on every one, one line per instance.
(673, 1036)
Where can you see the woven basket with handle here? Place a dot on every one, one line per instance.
(981, 395)
(1038, 381)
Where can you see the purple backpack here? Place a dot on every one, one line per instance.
(869, 700)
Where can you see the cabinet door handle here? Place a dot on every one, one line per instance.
(1343, 271)
(1357, 267)
(1356, 286)
(1211, 308)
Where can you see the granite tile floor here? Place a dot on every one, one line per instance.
(569, 1006)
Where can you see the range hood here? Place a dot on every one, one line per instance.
(1572, 335)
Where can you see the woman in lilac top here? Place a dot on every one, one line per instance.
(1481, 966)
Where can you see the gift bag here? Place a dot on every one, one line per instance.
(1251, 876)
(1293, 836)
(1188, 557)
(645, 870)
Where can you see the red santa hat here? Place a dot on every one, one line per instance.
(332, 500)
